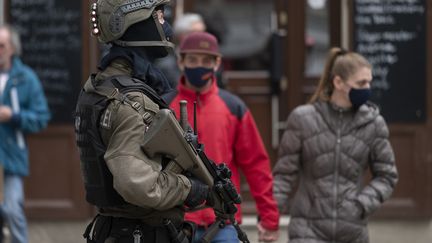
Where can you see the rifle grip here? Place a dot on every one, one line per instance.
(172, 166)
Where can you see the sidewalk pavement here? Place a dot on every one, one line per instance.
(381, 231)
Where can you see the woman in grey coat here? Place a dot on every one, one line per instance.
(327, 147)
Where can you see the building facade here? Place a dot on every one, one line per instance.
(274, 52)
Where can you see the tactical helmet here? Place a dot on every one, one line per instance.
(111, 18)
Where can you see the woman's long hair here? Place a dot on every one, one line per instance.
(339, 63)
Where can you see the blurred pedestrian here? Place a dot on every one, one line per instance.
(327, 146)
(186, 24)
(23, 110)
(229, 133)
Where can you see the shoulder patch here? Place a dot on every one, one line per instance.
(234, 103)
(105, 120)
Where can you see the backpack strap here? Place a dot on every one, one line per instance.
(113, 93)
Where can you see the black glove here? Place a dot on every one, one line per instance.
(198, 194)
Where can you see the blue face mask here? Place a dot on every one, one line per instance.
(199, 76)
(359, 96)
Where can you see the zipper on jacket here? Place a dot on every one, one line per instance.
(336, 176)
(197, 99)
(198, 107)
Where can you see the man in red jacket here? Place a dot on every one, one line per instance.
(228, 131)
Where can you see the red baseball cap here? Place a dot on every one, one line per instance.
(200, 42)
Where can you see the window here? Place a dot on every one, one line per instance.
(317, 36)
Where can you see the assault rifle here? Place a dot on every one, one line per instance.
(167, 137)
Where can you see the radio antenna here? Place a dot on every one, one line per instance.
(195, 119)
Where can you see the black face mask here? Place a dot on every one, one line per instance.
(147, 31)
(199, 76)
(359, 96)
(159, 52)
(141, 65)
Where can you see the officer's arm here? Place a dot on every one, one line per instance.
(138, 179)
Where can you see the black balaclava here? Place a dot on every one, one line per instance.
(142, 68)
(147, 31)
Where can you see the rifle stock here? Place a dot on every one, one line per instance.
(167, 137)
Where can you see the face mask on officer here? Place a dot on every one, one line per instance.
(154, 28)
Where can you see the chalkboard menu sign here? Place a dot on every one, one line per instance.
(391, 34)
(51, 41)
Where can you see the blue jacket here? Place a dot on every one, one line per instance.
(24, 94)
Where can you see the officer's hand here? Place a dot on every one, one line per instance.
(265, 235)
(5, 113)
(198, 194)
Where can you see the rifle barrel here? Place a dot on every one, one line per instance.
(183, 115)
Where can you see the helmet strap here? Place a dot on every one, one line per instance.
(143, 43)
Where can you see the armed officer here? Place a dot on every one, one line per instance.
(137, 200)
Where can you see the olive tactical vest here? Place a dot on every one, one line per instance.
(93, 100)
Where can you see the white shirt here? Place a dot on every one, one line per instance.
(3, 80)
